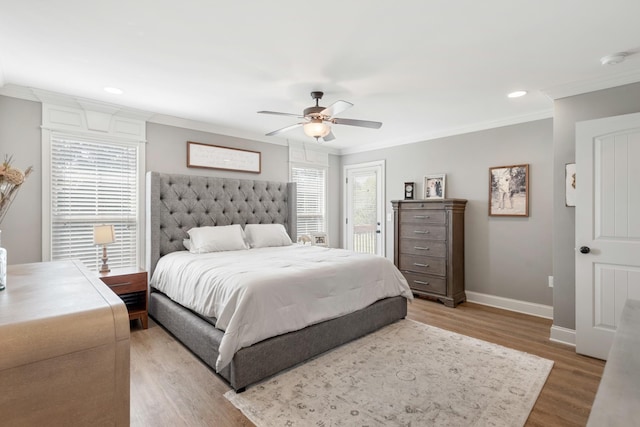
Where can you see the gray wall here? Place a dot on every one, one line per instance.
(20, 135)
(167, 152)
(20, 123)
(507, 257)
(568, 111)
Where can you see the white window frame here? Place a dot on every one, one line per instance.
(91, 123)
(303, 156)
(326, 183)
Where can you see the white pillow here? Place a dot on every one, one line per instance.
(266, 235)
(216, 239)
(187, 244)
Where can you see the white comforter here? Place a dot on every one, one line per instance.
(260, 293)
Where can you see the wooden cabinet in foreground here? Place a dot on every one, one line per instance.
(429, 247)
(64, 352)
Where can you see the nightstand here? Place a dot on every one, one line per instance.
(130, 284)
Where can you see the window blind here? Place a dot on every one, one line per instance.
(92, 183)
(311, 198)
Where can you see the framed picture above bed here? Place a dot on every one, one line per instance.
(216, 157)
(509, 190)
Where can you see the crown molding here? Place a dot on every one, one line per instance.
(43, 96)
(59, 99)
(591, 85)
(476, 127)
(163, 119)
(20, 92)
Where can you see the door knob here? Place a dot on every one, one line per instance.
(585, 249)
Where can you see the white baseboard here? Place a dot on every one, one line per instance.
(562, 335)
(525, 307)
(557, 333)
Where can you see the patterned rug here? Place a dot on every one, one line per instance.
(406, 374)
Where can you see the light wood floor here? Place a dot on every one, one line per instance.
(170, 386)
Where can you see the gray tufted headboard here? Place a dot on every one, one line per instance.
(177, 203)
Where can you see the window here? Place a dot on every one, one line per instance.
(311, 183)
(94, 182)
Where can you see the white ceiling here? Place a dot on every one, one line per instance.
(424, 68)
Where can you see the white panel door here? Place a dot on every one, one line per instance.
(607, 227)
(364, 208)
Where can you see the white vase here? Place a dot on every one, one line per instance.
(3, 265)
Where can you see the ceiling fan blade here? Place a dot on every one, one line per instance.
(284, 129)
(361, 123)
(276, 113)
(336, 108)
(329, 137)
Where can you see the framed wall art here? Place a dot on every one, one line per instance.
(509, 190)
(570, 184)
(434, 186)
(216, 157)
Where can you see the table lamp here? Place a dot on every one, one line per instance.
(103, 235)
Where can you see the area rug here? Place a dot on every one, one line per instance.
(406, 374)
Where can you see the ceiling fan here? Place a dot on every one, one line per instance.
(318, 119)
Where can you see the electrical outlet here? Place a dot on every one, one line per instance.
(551, 281)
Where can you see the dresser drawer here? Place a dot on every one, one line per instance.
(422, 216)
(426, 283)
(419, 231)
(435, 248)
(423, 264)
(127, 283)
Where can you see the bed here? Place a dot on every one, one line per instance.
(178, 203)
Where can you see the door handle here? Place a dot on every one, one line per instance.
(585, 249)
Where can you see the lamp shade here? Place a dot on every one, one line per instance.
(103, 234)
(316, 128)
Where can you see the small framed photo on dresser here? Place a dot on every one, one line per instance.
(409, 190)
(320, 239)
(434, 186)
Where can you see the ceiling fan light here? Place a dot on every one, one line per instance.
(316, 129)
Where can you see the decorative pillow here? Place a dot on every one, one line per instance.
(217, 239)
(187, 244)
(266, 235)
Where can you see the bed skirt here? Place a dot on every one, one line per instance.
(268, 357)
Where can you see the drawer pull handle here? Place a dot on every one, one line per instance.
(420, 282)
(421, 232)
(417, 264)
(120, 284)
(420, 248)
(422, 216)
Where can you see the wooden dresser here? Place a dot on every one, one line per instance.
(64, 348)
(429, 247)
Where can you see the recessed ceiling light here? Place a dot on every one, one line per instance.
(113, 90)
(613, 59)
(517, 94)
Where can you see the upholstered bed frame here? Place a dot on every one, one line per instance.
(175, 204)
